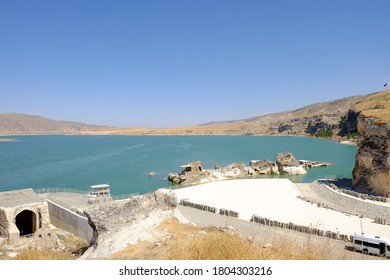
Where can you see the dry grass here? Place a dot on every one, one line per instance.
(217, 245)
(73, 247)
(187, 242)
(44, 255)
(376, 106)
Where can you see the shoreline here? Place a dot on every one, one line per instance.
(348, 142)
(7, 140)
(340, 141)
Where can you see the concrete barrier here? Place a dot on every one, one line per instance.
(309, 230)
(69, 221)
(198, 206)
(229, 213)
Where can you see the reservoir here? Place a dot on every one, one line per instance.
(124, 162)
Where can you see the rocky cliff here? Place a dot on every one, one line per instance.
(117, 224)
(348, 123)
(372, 164)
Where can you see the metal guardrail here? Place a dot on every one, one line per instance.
(60, 190)
(77, 191)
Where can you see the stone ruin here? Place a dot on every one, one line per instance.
(191, 172)
(24, 220)
(194, 173)
(264, 166)
(193, 167)
(286, 163)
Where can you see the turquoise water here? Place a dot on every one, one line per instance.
(125, 161)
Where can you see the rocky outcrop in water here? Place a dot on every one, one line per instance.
(288, 164)
(372, 164)
(193, 173)
(264, 166)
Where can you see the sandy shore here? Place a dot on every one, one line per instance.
(276, 199)
(347, 142)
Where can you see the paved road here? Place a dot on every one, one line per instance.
(67, 200)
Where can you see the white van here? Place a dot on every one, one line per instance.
(371, 244)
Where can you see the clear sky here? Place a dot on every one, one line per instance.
(169, 63)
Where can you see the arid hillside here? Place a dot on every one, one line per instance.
(14, 124)
(376, 106)
(310, 119)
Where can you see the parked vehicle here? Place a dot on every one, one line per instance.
(371, 244)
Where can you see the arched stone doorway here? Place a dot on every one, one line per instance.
(26, 222)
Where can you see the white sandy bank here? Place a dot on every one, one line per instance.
(276, 199)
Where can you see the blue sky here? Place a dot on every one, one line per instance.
(173, 63)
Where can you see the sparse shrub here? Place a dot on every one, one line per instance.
(325, 133)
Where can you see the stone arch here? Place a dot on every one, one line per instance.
(26, 222)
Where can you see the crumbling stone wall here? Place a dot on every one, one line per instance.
(3, 224)
(44, 238)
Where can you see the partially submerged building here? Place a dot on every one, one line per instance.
(24, 220)
(192, 167)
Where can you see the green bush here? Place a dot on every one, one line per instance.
(325, 133)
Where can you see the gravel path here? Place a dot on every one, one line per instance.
(318, 193)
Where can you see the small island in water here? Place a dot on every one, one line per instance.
(286, 164)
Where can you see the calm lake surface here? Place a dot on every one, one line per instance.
(125, 161)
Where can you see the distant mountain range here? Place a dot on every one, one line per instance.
(303, 121)
(15, 124)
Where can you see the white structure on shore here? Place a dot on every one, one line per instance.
(100, 190)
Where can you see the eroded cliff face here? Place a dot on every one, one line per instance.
(372, 165)
(119, 223)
